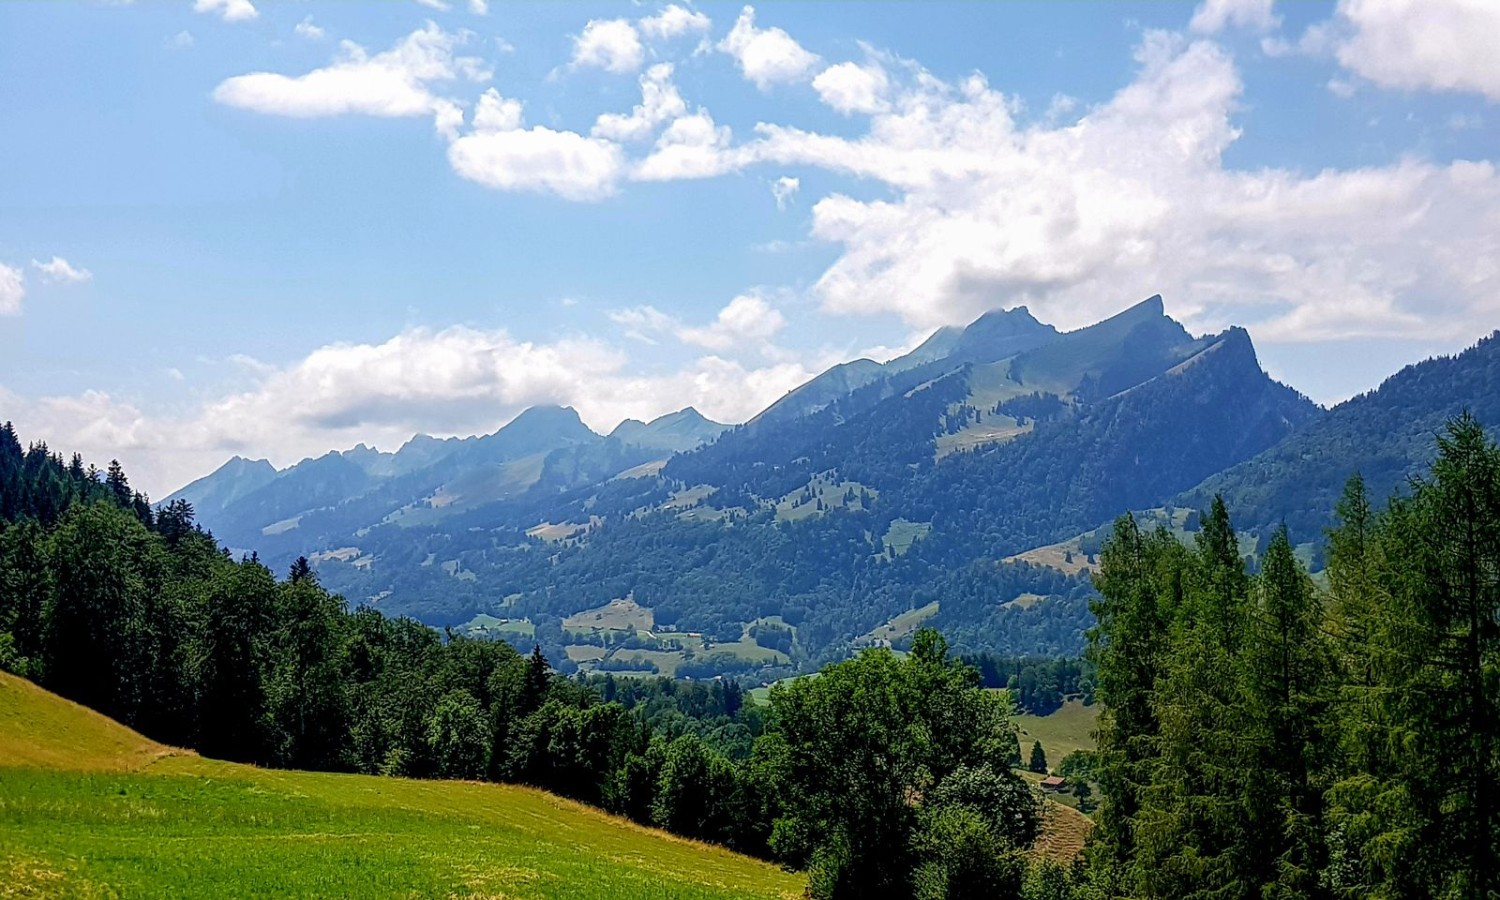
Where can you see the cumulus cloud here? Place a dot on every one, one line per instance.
(784, 189)
(674, 21)
(1213, 16)
(452, 381)
(306, 29)
(660, 101)
(1132, 198)
(747, 318)
(748, 322)
(766, 56)
(609, 44)
(500, 153)
(693, 146)
(12, 289)
(228, 10)
(1439, 45)
(395, 83)
(852, 88)
(59, 271)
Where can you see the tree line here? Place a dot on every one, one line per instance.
(1270, 736)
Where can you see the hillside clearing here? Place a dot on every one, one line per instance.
(1069, 729)
(90, 808)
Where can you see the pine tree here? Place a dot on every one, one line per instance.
(118, 484)
(1038, 762)
(1439, 660)
(536, 683)
(1287, 678)
(1140, 584)
(25, 585)
(1191, 826)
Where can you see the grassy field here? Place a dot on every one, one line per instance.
(485, 625)
(1064, 731)
(616, 615)
(791, 508)
(1064, 830)
(900, 625)
(902, 534)
(91, 809)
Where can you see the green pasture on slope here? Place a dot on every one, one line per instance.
(89, 808)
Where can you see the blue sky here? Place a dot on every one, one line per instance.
(274, 229)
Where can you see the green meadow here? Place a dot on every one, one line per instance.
(88, 808)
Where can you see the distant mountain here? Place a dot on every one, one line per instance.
(945, 486)
(214, 492)
(996, 335)
(869, 493)
(330, 498)
(673, 432)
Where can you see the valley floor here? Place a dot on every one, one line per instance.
(88, 808)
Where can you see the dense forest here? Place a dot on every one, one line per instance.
(1266, 737)
(1262, 734)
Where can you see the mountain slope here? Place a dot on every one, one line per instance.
(1386, 435)
(228, 483)
(907, 489)
(304, 507)
(143, 820)
(673, 432)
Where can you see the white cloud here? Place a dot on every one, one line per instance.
(228, 10)
(673, 21)
(659, 102)
(746, 323)
(454, 381)
(766, 56)
(438, 5)
(496, 113)
(479, 7)
(306, 29)
(500, 153)
(60, 271)
(12, 289)
(851, 88)
(644, 323)
(395, 83)
(693, 146)
(1213, 16)
(1134, 198)
(609, 44)
(784, 189)
(1439, 45)
(747, 318)
(181, 40)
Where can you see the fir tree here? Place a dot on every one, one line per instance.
(1038, 761)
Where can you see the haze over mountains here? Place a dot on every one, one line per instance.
(931, 485)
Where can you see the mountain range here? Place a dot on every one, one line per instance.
(950, 485)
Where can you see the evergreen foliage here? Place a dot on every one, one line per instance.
(1280, 740)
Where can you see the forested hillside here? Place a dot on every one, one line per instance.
(1386, 435)
(870, 493)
